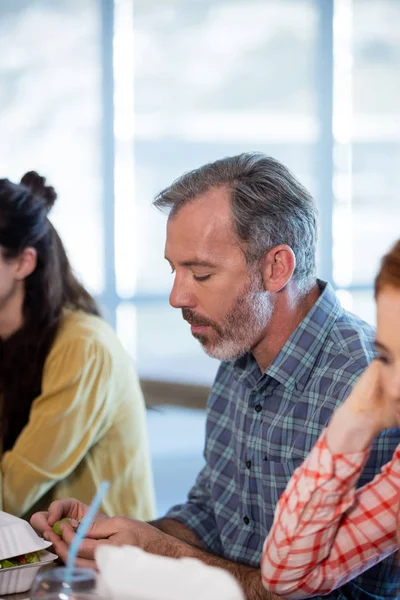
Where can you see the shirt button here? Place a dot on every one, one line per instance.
(248, 464)
(258, 408)
(246, 520)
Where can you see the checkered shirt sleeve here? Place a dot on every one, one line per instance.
(325, 532)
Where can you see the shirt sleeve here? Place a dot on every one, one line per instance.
(325, 532)
(64, 422)
(198, 513)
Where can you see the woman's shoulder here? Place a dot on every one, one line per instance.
(78, 322)
(87, 354)
(80, 330)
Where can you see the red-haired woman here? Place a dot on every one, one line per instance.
(326, 532)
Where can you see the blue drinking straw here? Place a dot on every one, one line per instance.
(83, 528)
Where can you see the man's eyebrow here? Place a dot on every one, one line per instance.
(195, 263)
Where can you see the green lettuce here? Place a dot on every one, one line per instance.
(17, 561)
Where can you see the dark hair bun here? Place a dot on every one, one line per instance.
(37, 185)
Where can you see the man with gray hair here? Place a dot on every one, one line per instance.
(241, 239)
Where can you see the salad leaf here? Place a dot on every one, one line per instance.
(17, 561)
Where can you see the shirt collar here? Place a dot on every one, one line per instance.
(294, 363)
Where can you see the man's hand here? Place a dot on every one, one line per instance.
(362, 416)
(43, 523)
(118, 531)
(60, 509)
(166, 538)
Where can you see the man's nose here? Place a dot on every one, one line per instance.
(181, 295)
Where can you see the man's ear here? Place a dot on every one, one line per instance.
(25, 263)
(278, 267)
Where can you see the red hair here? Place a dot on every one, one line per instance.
(389, 273)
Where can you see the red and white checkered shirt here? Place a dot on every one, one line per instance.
(325, 532)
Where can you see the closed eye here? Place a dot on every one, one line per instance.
(382, 358)
(201, 278)
(381, 353)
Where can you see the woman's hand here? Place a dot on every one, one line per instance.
(365, 413)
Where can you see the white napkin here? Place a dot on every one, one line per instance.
(130, 573)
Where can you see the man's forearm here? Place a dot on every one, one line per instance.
(180, 541)
(178, 530)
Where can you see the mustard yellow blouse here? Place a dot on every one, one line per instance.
(88, 425)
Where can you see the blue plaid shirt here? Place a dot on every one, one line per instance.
(261, 426)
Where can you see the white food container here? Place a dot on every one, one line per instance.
(17, 537)
(20, 579)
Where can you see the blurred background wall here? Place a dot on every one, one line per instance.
(112, 100)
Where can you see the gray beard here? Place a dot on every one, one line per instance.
(242, 329)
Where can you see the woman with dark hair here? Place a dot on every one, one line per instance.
(71, 409)
(325, 532)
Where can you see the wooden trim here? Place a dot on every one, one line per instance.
(174, 394)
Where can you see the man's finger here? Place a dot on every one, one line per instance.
(61, 549)
(86, 564)
(59, 546)
(59, 509)
(86, 548)
(39, 521)
(104, 528)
